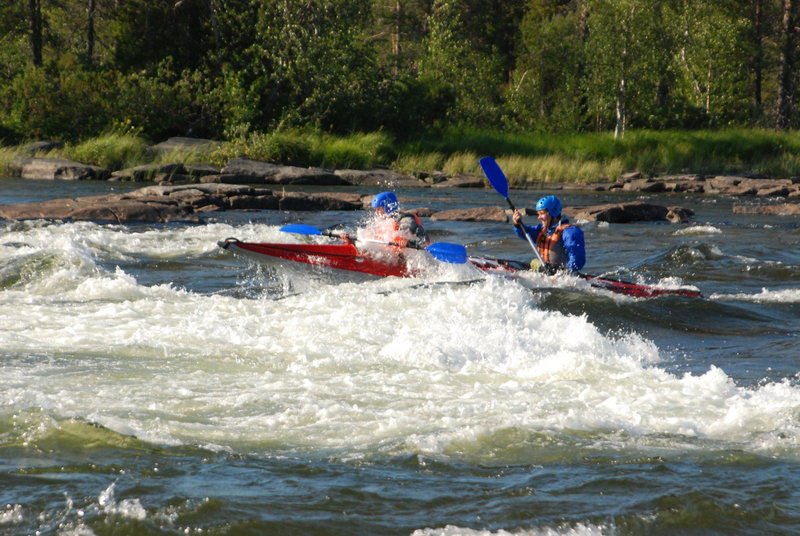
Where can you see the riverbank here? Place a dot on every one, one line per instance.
(185, 161)
(529, 159)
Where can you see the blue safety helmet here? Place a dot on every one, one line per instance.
(387, 200)
(551, 204)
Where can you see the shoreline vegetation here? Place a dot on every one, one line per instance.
(526, 158)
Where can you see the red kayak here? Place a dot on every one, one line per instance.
(349, 258)
(340, 256)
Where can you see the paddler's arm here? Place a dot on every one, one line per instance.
(533, 232)
(574, 247)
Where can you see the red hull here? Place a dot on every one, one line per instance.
(349, 258)
(339, 256)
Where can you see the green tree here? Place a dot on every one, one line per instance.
(307, 63)
(628, 52)
(787, 65)
(146, 32)
(456, 63)
(712, 57)
(546, 90)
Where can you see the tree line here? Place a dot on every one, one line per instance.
(225, 69)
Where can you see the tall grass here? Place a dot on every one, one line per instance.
(7, 156)
(526, 158)
(113, 151)
(310, 148)
(587, 157)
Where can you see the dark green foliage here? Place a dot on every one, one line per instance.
(59, 101)
(146, 32)
(229, 69)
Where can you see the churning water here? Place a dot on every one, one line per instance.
(153, 383)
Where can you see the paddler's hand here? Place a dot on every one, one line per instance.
(517, 218)
(345, 238)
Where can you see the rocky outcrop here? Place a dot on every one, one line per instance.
(114, 208)
(164, 204)
(183, 203)
(629, 212)
(716, 185)
(150, 172)
(246, 171)
(461, 182)
(57, 169)
(783, 209)
(484, 214)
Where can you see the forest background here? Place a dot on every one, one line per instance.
(577, 88)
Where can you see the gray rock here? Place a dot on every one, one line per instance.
(482, 214)
(149, 172)
(201, 170)
(114, 208)
(462, 182)
(257, 172)
(57, 169)
(314, 202)
(645, 185)
(619, 213)
(784, 209)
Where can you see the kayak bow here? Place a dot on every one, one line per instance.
(339, 256)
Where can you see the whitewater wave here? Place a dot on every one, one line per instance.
(384, 367)
(789, 295)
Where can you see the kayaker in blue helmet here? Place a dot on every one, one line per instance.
(560, 243)
(394, 225)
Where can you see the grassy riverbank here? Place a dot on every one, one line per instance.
(585, 157)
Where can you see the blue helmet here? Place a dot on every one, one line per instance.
(387, 200)
(551, 204)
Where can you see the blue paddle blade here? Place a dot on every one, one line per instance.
(495, 175)
(446, 252)
(299, 228)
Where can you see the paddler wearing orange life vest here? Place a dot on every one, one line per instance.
(560, 244)
(393, 225)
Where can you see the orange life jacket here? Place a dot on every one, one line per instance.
(550, 247)
(388, 229)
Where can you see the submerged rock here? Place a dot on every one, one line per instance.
(783, 209)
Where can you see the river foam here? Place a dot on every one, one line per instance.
(359, 369)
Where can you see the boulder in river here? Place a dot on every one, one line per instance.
(628, 212)
(483, 214)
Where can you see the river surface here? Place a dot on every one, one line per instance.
(153, 383)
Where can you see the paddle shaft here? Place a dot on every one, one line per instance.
(499, 182)
(521, 226)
